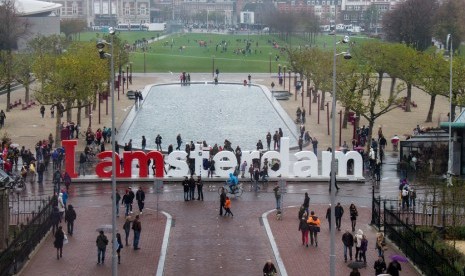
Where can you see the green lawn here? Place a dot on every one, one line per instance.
(182, 52)
(162, 57)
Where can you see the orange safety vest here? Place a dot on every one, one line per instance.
(313, 221)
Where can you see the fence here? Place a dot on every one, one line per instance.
(26, 239)
(415, 247)
(22, 210)
(423, 213)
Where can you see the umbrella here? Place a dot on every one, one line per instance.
(14, 145)
(398, 258)
(105, 228)
(359, 148)
(356, 265)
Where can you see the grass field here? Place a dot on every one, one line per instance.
(182, 52)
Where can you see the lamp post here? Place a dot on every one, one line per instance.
(130, 75)
(284, 76)
(100, 46)
(270, 62)
(127, 77)
(145, 63)
(449, 165)
(213, 66)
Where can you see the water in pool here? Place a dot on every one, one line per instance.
(241, 114)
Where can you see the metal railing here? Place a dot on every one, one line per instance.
(415, 247)
(25, 238)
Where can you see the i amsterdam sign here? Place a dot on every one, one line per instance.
(306, 165)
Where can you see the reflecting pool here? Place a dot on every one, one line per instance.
(204, 111)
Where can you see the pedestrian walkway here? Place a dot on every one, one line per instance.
(300, 260)
(80, 254)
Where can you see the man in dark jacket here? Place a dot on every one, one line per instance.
(137, 227)
(102, 243)
(185, 184)
(191, 188)
(306, 203)
(380, 266)
(348, 241)
(140, 197)
(70, 217)
(338, 212)
(222, 200)
(55, 218)
(131, 199)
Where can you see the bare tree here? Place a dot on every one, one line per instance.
(12, 27)
(411, 23)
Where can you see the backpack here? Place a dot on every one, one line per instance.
(404, 192)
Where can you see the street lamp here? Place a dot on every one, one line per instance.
(270, 62)
(100, 46)
(332, 187)
(449, 165)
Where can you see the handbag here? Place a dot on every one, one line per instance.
(65, 240)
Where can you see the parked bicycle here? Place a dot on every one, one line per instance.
(16, 183)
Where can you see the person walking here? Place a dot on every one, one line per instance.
(306, 202)
(348, 241)
(380, 244)
(131, 199)
(363, 249)
(70, 217)
(127, 228)
(101, 243)
(137, 227)
(303, 227)
(355, 272)
(328, 216)
(394, 268)
(185, 184)
(243, 167)
(117, 200)
(314, 226)
(59, 241)
(199, 188)
(227, 207)
(269, 269)
(277, 195)
(358, 245)
(222, 201)
(178, 141)
(42, 111)
(61, 206)
(119, 246)
(353, 215)
(82, 164)
(338, 212)
(67, 180)
(140, 197)
(268, 140)
(315, 146)
(144, 142)
(191, 188)
(55, 217)
(126, 201)
(380, 266)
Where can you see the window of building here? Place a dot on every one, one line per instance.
(143, 9)
(346, 16)
(74, 8)
(127, 9)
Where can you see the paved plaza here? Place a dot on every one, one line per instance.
(200, 242)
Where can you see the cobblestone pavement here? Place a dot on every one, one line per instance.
(201, 242)
(300, 260)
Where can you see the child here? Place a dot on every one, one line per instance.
(227, 206)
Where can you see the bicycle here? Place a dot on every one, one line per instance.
(16, 184)
(237, 190)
